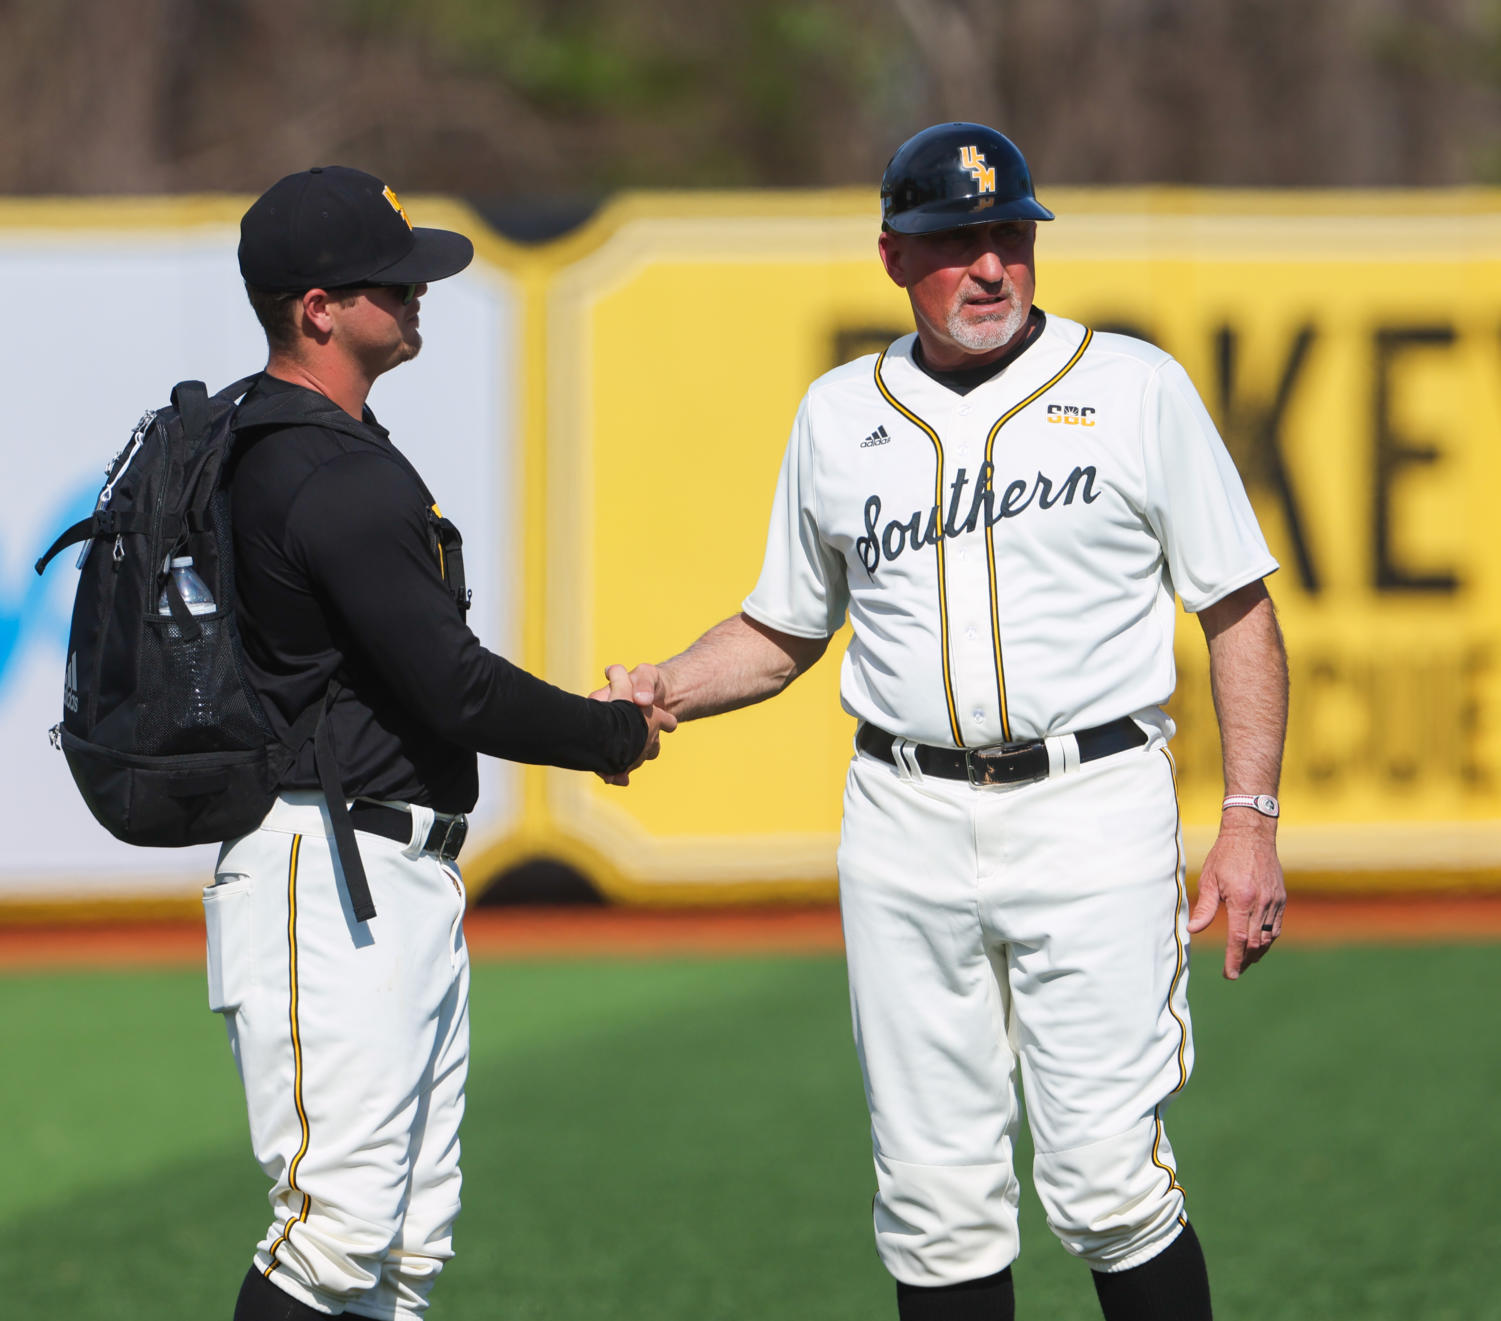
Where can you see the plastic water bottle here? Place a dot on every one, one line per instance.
(193, 590)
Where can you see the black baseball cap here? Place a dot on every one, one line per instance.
(332, 226)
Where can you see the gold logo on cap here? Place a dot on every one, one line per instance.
(971, 160)
(400, 210)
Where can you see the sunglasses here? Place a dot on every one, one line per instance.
(408, 291)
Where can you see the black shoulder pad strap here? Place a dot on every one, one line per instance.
(238, 388)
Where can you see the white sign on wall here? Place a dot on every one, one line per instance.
(99, 324)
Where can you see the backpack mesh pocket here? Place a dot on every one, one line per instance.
(193, 686)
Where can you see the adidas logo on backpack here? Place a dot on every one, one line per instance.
(70, 684)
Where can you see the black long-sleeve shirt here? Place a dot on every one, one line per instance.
(338, 572)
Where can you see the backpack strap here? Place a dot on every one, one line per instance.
(101, 523)
(338, 813)
(197, 423)
(80, 531)
(237, 388)
(313, 723)
(190, 399)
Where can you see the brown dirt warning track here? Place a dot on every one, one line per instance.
(515, 933)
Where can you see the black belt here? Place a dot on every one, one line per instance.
(445, 838)
(1006, 763)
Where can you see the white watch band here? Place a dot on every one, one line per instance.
(1263, 803)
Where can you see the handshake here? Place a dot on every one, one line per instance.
(647, 688)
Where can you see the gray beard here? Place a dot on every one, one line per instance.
(988, 333)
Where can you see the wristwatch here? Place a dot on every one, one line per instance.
(1263, 803)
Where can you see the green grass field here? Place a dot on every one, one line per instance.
(686, 1139)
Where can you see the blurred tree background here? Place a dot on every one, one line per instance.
(563, 101)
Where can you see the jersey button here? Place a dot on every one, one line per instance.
(978, 716)
(963, 410)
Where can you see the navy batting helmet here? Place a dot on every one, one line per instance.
(953, 175)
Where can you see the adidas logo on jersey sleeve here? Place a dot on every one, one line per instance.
(876, 437)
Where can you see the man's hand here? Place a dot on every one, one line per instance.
(659, 721)
(648, 686)
(1242, 870)
(736, 663)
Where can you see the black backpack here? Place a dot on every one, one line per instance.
(163, 733)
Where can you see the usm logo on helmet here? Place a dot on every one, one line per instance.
(1071, 415)
(984, 176)
(390, 195)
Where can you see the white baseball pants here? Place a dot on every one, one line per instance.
(352, 1041)
(1043, 925)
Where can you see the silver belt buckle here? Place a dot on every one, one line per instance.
(994, 755)
(977, 762)
(454, 834)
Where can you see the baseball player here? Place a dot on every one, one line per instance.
(1006, 503)
(351, 1031)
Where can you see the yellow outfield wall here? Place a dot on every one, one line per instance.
(646, 369)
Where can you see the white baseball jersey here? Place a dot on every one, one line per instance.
(1008, 557)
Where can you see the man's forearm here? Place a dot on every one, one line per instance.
(1248, 677)
(736, 663)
